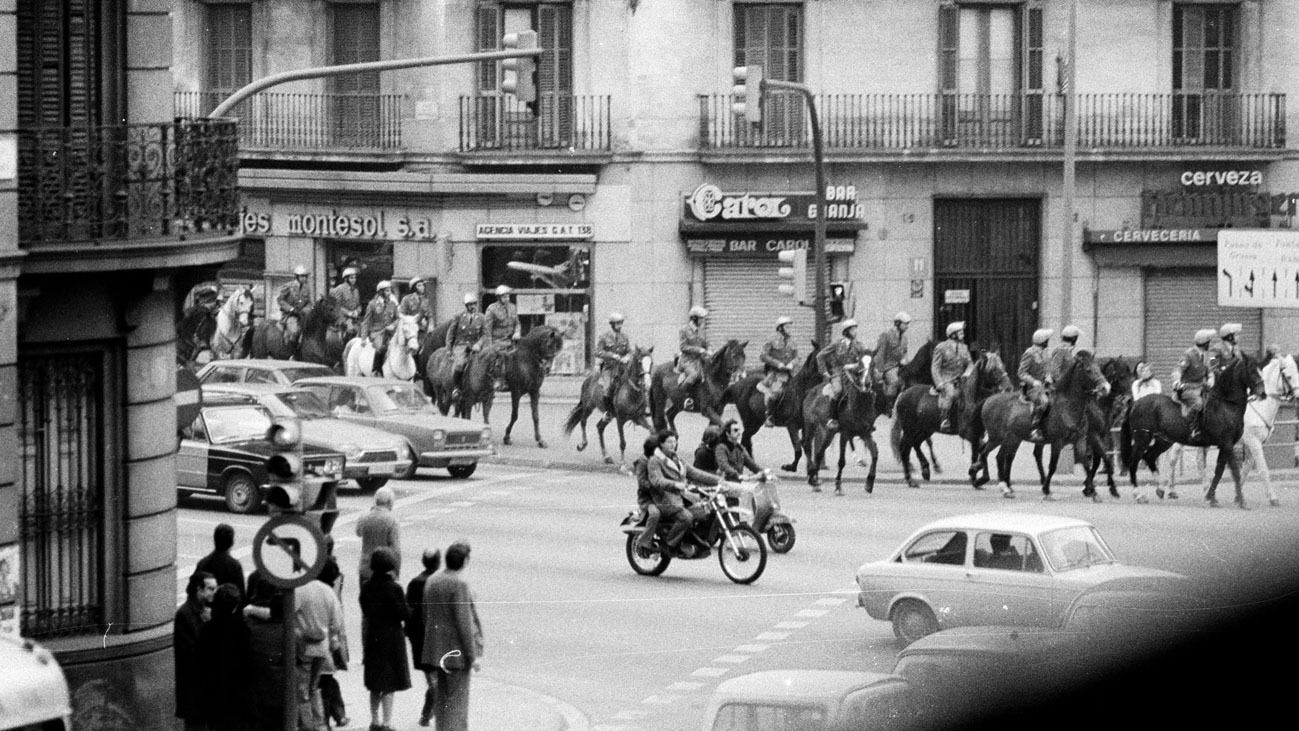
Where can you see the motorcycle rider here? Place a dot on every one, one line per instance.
(668, 477)
(645, 497)
(732, 458)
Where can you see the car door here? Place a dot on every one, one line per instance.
(934, 567)
(1012, 586)
(191, 456)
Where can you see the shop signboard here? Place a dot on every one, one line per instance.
(534, 231)
(760, 244)
(709, 204)
(1258, 268)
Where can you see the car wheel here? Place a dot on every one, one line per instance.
(461, 471)
(241, 493)
(370, 484)
(911, 621)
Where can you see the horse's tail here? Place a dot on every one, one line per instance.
(574, 418)
(895, 434)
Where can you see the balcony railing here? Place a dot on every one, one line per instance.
(310, 122)
(137, 181)
(502, 123)
(1013, 121)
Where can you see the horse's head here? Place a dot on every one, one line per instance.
(1083, 377)
(1240, 380)
(1119, 374)
(1280, 376)
(639, 367)
(544, 340)
(406, 336)
(728, 361)
(238, 306)
(990, 374)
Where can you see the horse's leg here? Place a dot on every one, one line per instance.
(533, 397)
(977, 465)
(933, 458)
(904, 455)
(1005, 460)
(875, 458)
(810, 445)
(1056, 449)
(599, 430)
(1254, 447)
(1211, 496)
(514, 414)
(844, 445)
(1037, 459)
(622, 443)
(1234, 462)
(796, 443)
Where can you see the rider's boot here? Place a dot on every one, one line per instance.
(770, 405)
(1196, 432)
(689, 403)
(1035, 434)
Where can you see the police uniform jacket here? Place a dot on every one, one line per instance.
(951, 361)
(1060, 361)
(381, 312)
(843, 353)
(890, 350)
(348, 298)
(779, 353)
(501, 320)
(294, 297)
(610, 349)
(415, 303)
(1033, 366)
(694, 344)
(466, 329)
(1223, 355)
(1193, 368)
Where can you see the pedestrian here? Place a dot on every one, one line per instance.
(453, 638)
(378, 528)
(432, 560)
(187, 625)
(730, 456)
(387, 670)
(318, 624)
(220, 563)
(225, 649)
(264, 613)
(331, 696)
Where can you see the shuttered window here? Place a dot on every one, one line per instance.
(555, 74)
(1204, 44)
(230, 53)
(356, 96)
(990, 73)
(550, 122)
(1181, 301)
(61, 69)
(771, 36)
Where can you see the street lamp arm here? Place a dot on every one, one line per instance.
(357, 68)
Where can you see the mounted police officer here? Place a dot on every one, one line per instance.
(779, 359)
(1062, 355)
(380, 321)
(465, 336)
(295, 297)
(418, 303)
(1192, 374)
(613, 353)
(833, 360)
(348, 299)
(502, 319)
(890, 355)
(1227, 351)
(950, 365)
(1034, 378)
(693, 352)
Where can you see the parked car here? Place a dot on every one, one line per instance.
(402, 408)
(260, 370)
(991, 569)
(810, 700)
(224, 451)
(33, 691)
(373, 456)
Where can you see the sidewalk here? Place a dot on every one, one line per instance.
(493, 705)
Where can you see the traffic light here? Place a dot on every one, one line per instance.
(838, 296)
(284, 466)
(796, 273)
(748, 90)
(521, 73)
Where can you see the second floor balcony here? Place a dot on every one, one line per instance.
(910, 124)
(557, 126)
(307, 123)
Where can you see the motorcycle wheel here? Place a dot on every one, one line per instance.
(781, 538)
(652, 566)
(745, 565)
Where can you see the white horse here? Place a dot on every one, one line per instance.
(233, 320)
(358, 357)
(1281, 382)
(400, 360)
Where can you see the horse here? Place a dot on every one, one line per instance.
(752, 406)
(1102, 414)
(232, 322)
(358, 357)
(524, 371)
(315, 344)
(277, 339)
(1156, 422)
(917, 372)
(863, 400)
(399, 362)
(667, 397)
(916, 417)
(194, 335)
(1008, 420)
(630, 394)
(1281, 384)
(430, 342)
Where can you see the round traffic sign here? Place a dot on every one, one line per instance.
(289, 550)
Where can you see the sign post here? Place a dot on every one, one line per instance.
(1258, 268)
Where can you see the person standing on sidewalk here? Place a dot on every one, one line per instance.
(317, 626)
(432, 560)
(378, 528)
(189, 621)
(453, 638)
(387, 669)
(220, 563)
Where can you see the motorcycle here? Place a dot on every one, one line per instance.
(768, 519)
(740, 551)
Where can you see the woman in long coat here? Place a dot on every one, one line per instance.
(387, 667)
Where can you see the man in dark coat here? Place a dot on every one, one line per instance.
(225, 646)
(220, 563)
(432, 560)
(453, 638)
(189, 621)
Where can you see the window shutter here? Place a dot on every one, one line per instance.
(229, 58)
(488, 32)
(555, 74)
(1031, 73)
(59, 64)
(356, 96)
(949, 20)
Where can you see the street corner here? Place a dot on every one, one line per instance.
(499, 706)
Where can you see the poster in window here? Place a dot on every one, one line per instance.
(536, 303)
(536, 267)
(9, 591)
(571, 359)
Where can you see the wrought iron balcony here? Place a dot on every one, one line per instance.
(141, 181)
(915, 122)
(560, 123)
(307, 122)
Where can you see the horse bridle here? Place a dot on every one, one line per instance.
(1287, 394)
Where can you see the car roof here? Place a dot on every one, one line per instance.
(1008, 521)
(263, 363)
(805, 685)
(252, 389)
(354, 381)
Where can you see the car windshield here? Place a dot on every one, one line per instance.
(308, 371)
(768, 717)
(305, 404)
(236, 423)
(1076, 547)
(397, 398)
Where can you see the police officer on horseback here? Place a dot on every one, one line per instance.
(1034, 378)
(1062, 355)
(890, 355)
(417, 303)
(295, 297)
(1227, 351)
(348, 299)
(693, 352)
(779, 358)
(502, 319)
(464, 336)
(831, 363)
(380, 321)
(1192, 374)
(950, 365)
(613, 353)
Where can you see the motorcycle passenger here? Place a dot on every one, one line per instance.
(645, 496)
(732, 457)
(779, 358)
(667, 477)
(705, 453)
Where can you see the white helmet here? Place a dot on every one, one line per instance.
(415, 281)
(783, 320)
(902, 317)
(385, 284)
(1203, 335)
(847, 325)
(471, 298)
(350, 272)
(1070, 331)
(299, 271)
(1230, 328)
(615, 317)
(698, 311)
(1042, 336)
(955, 327)
(503, 290)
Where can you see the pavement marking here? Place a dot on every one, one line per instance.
(631, 715)
(752, 649)
(791, 625)
(662, 700)
(685, 686)
(462, 504)
(812, 612)
(732, 659)
(773, 636)
(710, 672)
(830, 602)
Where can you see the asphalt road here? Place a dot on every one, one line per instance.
(566, 619)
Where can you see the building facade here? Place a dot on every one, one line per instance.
(105, 198)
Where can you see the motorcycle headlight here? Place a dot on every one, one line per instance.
(351, 451)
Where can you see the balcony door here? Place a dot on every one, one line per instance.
(355, 103)
(771, 36)
(1204, 83)
(501, 120)
(990, 75)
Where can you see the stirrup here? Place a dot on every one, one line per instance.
(1036, 436)
(688, 404)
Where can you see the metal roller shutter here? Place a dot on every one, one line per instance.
(743, 302)
(1181, 301)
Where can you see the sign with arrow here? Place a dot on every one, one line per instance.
(1258, 268)
(289, 550)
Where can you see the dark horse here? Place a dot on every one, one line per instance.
(429, 343)
(917, 372)
(317, 343)
(1008, 419)
(630, 395)
(916, 417)
(667, 398)
(863, 401)
(1156, 422)
(194, 335)
(523, 369)
(1103, 414)
(274, 338)
(752, 406)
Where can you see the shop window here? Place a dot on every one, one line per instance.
(552, 287)
(372, 259)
